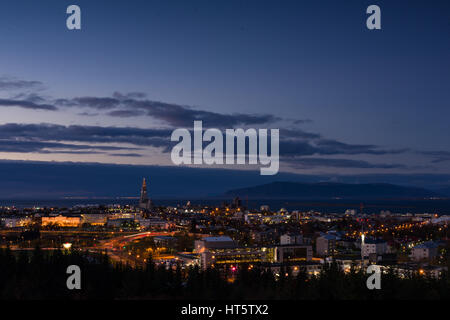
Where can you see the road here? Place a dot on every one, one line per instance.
(114, 247)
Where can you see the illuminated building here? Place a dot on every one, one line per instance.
(406, 270)
(223, 242)
(144, 201)
(310, 268)
(96, 219)
(326, 245)
(15, 222)
(231, 256)
(153, 223)
(220, 251)
(289, 253)
(253, 218)
(424, 251)
(291, 238)
(165, 241)
(119, 222)
(188, 259)
(377, 247)
(61, 221)
(264, 237)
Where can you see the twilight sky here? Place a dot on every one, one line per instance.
(347, 100)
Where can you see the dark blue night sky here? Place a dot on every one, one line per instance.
(348, 101)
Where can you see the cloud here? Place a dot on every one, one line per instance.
(27, 98)
(88, 114)
(298, 133)
(36, 137)
(295, 143)
(51, 147)
(27, 104)
(130, 105)
(125, 113)
(125, 154)
(48, 131)
(302, 121)
(174, 115)
(68, 152)
(98, 103)
(31, 97)
(439, 153)
(439, 156)
(328, 146)
(308, 147)
(183, 116)
(7, 83)
(290, 148)
(439, 160)
(340, 163)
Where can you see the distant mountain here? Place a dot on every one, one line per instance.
(56, 180)
(327, 190)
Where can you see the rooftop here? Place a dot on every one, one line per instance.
(427, 245)
(217, 239)
(374, 241)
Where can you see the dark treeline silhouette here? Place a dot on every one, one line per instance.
(42, 275)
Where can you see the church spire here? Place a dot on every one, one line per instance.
(144, 201)
(144, 196)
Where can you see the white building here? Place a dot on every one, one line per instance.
(213, 243)
(377, 247)
(153, 223)
(291, 238)
(253, 218)
(425, 251)
(441, 220)
(97, 219)
(326, 245)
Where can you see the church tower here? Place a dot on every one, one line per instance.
(144, 201)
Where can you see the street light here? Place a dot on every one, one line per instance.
(67, 245)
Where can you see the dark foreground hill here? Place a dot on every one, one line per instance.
(327, 190)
